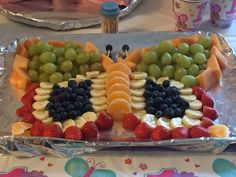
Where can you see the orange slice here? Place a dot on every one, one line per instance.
(219, 131)
(119, 94)
(118, 108)
(117, 74)
(116, 80)
(120, 67)
(118, 87)
(19, 128)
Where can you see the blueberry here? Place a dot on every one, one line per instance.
(150, 110)
(63, 115)
(87, 108)
(173, 106)
(149, 102)
(78, 113)
(166, 83)
(163, 95)
(72, 114)
(163, 107)
(65, 103)
(57, 104)
(86, 101)
(147, 94)
(172, 91)
(87, 92)
(59, 109)
(72, 84)
(50, 105)
(168, 101)
(56, 117)
(51, 112)
(83, 85)
(155, 93)
(88, 82)
(159, 114)
(178, 112)
(185, 105)
(65, 96)
(79, 98)
(149, 87)
(80, 91)
(78, 105)
(150, 82)
(169, 113)
(180, 101)
(70, 107)
(159, 87)
(73, 96)
(56, 86)
(158, 101)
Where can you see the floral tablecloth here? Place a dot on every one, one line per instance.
(122, 164)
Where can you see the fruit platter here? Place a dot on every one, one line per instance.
(83, 93)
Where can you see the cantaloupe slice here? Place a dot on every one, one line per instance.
(21, 50)
(143, 50)
(106, 62)
(134, 56)
(130, 64)
(28, 42)
(214, 66)
(19, 79)
(20, 62)
(196, 37)
(89, 46)
(188, 39)
(56, 43)
(207, 79)
(215, 41)
(222, 61)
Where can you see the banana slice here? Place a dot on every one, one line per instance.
(99, 108)
(98, 101)
(195, 105)
(46, 85)
(102, 76)
(58, 123)
(177, 84)
(92, 74)
(137, 92)
(161, 80)
(40, 105)
(80, 121)
(63, 84)
(68, 123)
(163, 121)
(80, 77)
(138, 105)
(90, 116)
(193, 114)
(150, 120)
(98, 81)
(41, 91)
(138, 75)
(137, 98)
(188, 122)
(98, 86)
(41, 115)
(97, 93)
(186, 91)
(41, 97)
(136, 84)
(140, 114)
(48, 120)
(188, 98)
(152, 78)
(176, 122)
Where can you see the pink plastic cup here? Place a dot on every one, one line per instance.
(223, 12)
(188, 14)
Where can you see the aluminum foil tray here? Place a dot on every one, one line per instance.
(59, 15)
(225, 98)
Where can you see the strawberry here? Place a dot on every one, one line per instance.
(19, 112)
(28, 98)
(130, 121)
(210, 112)
(37, 128)
(179, 132)
(32, 86)
(90, 130)
(207, 100)
(73, 133)
(104, 121)
(53, 130)
(160, 133)
(143, 131)
(198, 131)
(29, 118)
(198, 91)
(206, 122)
(26, 109)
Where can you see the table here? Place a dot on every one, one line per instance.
(151, 15)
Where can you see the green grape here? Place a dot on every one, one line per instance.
(33, 65)
(55, 78)
(191, 60)
(33, 75)
(184, 48)
(40, 69)
(83, 68)
(179, 73)
(74, 71)
(43, 77)
(49, 68)
(70, 54)
(59, 51)
(200, 58)
(175, 50)
(82, 57)
(47, 57)
(59, 60)
(205, 41)
(142, 67)
(202, 67)
(96, 67)
(154, 71)
(207, 53)
(33, 50)
(166, 59)
(43, 47)
(165, 46)
(175, 56)
(195, 48)
(94, 56)
(67, 76)
(193, 70)
(154, 48)
(78, 50)
(189, 81)
(149, 57)
(184, 61)
(159, 64)
(71, 44)
(36, 58)
(168, 71)
(66, 66)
